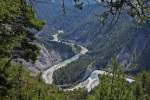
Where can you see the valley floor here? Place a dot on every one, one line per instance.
(91, 82)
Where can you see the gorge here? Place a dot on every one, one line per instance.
(74, 50)
(91, 82)
(124, 51)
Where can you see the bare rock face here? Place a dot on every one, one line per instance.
(45, 60)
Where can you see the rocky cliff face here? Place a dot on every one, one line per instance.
(45, 60)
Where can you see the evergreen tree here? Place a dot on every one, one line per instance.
(113, 87)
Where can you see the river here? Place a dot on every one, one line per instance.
(91, 82)
(48, 74)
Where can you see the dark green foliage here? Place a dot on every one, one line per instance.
(17, 84)
(27, 50)
(116, 88)
(15, 17)
(113, 87)
(64, 50)
(72, 73)
(15, 81)
(34, 22)
(142, 86)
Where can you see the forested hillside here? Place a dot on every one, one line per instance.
(16, 82)
(115, 88)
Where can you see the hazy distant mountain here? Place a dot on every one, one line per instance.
(51, 8)
(126, 41)
(71, 2)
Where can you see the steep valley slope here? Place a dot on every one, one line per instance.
(126, 40)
